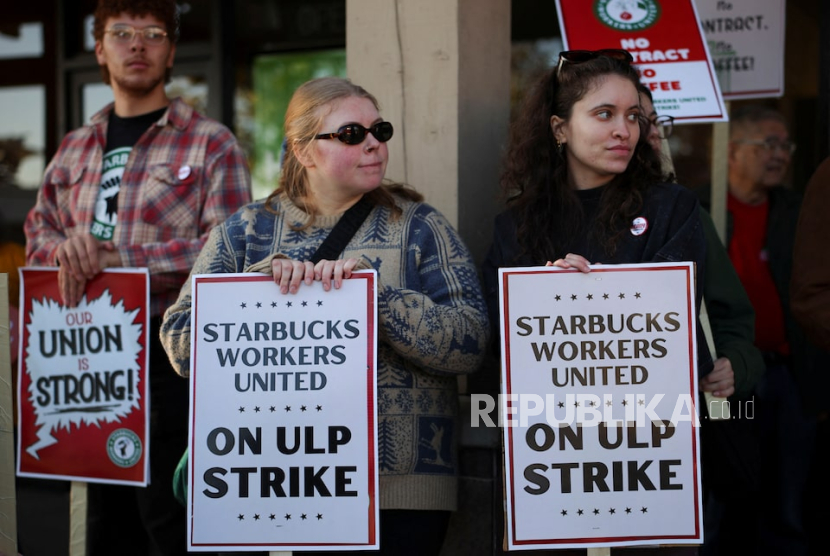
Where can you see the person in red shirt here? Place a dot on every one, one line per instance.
(762, 216)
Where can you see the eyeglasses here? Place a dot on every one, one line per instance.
(580, 56)
(664, 125)
(124, 34)
(354, 134)
(770, 145)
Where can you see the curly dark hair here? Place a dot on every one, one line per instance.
(547, 211)
(163, 10)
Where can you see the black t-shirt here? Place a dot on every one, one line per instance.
(122, 134)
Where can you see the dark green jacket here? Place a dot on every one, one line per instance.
(731, 315)
(809, 365)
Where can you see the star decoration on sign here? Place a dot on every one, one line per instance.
(590, 296)
(612, 511)
(561, 404)
(608, 403)
(319, 303)
(621, 296)
(591, 403)
(256, 409)
(319, 408)
(240, 517)
(576, 404)
(641, 402)
(644, 509)
(637, 295)
(558, 298)
(287, 517)
(272, 409)
(304, 303)
(628, 510)
(243, 305)
(605, 296)
(579, 512)
(287, 408)
(288, 304)
(573, 297)
(273, 304)
(564, 512)
(319, 517)
(625, 402)
(302, 408)
(303, 517)
(272, 517)
(241, 409)
(596, 511)
(256, 517)
(259, 305)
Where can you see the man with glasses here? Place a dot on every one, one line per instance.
(140, 186)
(762, 217)
(728, 526)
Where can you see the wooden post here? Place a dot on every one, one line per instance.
(720, 174)
(77, 519)
(8, 498)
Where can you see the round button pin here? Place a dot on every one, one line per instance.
(184, 173)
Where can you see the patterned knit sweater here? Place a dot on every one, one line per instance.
(432, 327)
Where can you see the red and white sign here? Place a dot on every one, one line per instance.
(746, 41)
(283, 420)
(83, 386)
(667, 44)
(599, 408)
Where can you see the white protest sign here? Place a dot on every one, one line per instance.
(600, 385)
(283, 418)
(746, 42)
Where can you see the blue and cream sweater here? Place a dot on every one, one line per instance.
(432, 327)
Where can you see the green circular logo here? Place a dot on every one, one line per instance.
(124, 447)
(627, 15)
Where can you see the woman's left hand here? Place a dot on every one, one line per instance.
(571, 260)
(721, 381)
(326, 271)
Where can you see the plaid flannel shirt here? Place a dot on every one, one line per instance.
(185, 175)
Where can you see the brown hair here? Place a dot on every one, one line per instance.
(163, 10)
(311, 102)
(547, 211)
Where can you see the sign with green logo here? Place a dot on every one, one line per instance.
(627, 15)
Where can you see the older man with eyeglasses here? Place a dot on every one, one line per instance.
(762, 217)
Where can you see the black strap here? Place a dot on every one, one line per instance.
(343, 231)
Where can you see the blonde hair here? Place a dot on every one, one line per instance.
(309, 105)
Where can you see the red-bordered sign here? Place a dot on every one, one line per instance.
(83, 386)
(599, 375)
(667, 44)
(283, 420)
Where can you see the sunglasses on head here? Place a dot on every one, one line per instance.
(354, 134)
(580, 56)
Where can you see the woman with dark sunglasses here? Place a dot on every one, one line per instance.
(432, 319)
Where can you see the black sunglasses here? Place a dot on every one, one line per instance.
(354, 134)
(580, 56)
